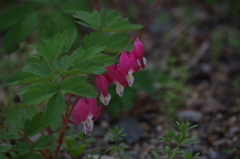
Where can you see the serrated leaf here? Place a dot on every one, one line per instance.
(90, 52)
(43, 85)
(42, 142)
(66, 60)
(30, 112)
(43, 69)
(71, 81)
(22, 147)
(97, 70)
(34, 126)
(121, 26)
(20, 32)
(53, 111)
(71, 36)
(32, 60)
(14, 79)
(51, 50)
(91, 20)
(106, 60)
(13, 129)
(84, 89)
(39, 92)
(5, 148)
(49, 31)
(93, 40)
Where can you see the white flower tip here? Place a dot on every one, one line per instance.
(119, 89)
(105, 100)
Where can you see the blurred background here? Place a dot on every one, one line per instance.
(192, 49)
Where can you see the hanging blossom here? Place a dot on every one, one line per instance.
(121, 74)
(86, 112)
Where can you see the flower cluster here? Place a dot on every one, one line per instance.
(121, 74)
(86, 110)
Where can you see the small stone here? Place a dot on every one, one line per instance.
(191, 115)
(104, 124)
(132, 128)
(213, 155)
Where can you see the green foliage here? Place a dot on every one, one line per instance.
(115, 135)
(43, 143)
(34, 126)
(55, 69)
(53, 111)
(30, 14)
(73, 147)
(105, 21)
(181, 138)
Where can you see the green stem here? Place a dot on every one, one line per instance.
(175, 151)
(169, 152)
(119, 155)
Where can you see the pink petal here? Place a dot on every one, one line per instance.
(120, 77)
(92, 102)
(138, 47)
(126, 63)
(98, 113)
(110, 73)
(80, 111)
(102, 84)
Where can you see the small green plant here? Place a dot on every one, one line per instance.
(115, 135)
(181, 138)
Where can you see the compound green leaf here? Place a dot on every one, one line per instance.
(53, 111)
(91, 20)
(42, 69)
(34, 126)
(50, 51)
(49, 31)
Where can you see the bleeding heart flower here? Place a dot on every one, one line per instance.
(116, 76)
(102, 84)
(138, 52)
(128, 65)
(86, 111)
